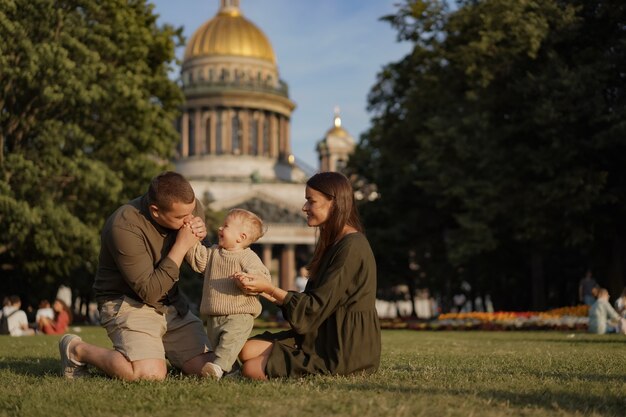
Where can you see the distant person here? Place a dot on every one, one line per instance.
(587, 289)
(334, 323)
(146, 316)
(459, 300)
(64, 293)
(14, 318)
(301, 279)
(620, 303)
(59, 323)
(603, 318)
(44, 310)
(230, 312)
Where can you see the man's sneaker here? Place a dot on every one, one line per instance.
(211, 370)
(70, 368)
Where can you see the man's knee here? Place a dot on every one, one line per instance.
(149, 375)
(149, 371)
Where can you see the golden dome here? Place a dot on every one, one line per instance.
(229, 33)
(337, 130)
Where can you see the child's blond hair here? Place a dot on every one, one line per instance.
(253, 225)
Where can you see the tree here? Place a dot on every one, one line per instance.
(86, 119)
(510, 115)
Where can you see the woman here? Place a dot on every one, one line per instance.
(334, 324)
(63, 317)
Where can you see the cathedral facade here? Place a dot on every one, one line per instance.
(235, 146)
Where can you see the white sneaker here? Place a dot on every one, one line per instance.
(70, 368)
(211, 370)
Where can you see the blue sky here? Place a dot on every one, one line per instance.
(328, 51)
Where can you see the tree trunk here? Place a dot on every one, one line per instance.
(615, 278)
(537, 283)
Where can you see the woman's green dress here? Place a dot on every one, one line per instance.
(334, 324)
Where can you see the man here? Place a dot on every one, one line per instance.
(136, 286)
(17, 320)
(587, 288)
(603, 318)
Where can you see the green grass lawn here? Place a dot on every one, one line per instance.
(422, 374)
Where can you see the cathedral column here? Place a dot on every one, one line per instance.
(266, 257)
(227, 132)
(287, 137)
(198, 132)
(273, 151)
(212, 132)
(254, 132)
(244, 122)
(281, 137)
(184, 149)
(261, 151)
(220, 139)
(287, 267)
(205, 133)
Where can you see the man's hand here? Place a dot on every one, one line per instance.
(198, 227)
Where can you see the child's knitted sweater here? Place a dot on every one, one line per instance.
(220, 294)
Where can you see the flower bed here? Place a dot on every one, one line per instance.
(565, 319)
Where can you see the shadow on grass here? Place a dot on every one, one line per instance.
(568, 376)
(606, 404)
(571, 402)
(31, 366)
(614, 339)
(565, 376)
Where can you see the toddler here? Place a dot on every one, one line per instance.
(230, 312)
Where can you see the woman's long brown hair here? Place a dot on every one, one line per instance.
(66, 308)
(336, 187)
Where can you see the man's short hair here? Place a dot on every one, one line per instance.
(168, 188)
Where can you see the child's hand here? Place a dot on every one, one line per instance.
(186, 237)
(247, 283)
(197, 226)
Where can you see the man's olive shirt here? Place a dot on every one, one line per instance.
(133, 259)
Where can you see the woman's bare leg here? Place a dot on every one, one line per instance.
(254, 356)
(253, 348)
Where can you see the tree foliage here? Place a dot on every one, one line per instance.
(86, 119)
(501, 134)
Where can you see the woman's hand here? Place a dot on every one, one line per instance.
(255, 284)
(251, 284)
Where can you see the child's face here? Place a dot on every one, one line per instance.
(231, 233)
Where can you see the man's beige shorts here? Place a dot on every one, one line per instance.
(139, 332)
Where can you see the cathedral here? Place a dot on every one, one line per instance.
(235, 145)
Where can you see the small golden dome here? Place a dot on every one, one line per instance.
(337, 130)
(229, 33)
